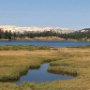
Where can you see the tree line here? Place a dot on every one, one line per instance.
(28, 34)
(78, 35)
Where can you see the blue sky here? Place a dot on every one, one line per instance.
(61, 13)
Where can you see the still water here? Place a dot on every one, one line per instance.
(54, 43)
(41, 75)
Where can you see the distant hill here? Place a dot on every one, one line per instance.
(83, 34)
(85, 30)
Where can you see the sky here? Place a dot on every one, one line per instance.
(53, 13)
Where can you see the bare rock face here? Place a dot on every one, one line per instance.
(35, 29)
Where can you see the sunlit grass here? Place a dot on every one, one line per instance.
(72, 61)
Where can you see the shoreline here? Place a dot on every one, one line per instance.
(45, 39)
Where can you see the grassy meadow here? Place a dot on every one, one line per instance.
(16, 60)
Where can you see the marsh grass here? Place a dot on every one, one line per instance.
(14, 63)
(13, 66)
(24, 47)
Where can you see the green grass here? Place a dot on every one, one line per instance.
(86, 46)
(24, 47)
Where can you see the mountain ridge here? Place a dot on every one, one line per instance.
(14, 28)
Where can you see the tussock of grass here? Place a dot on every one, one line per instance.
(63, 70)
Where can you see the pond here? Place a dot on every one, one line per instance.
(41, 75)
(51, 43)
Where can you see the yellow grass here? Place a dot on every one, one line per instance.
(14, 63)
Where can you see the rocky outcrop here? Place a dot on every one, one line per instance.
(35, 29)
